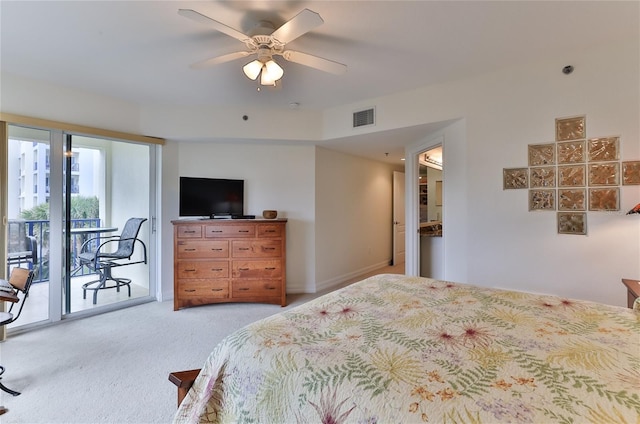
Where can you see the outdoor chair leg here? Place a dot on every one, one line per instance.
(5, 388)
(8, 390)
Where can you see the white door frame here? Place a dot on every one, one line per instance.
(399, 216)
(412, 212)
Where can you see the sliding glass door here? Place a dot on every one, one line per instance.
(106, 183)
(28, 212)
(71, 195)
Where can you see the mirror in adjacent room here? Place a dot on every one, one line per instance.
(430, 196)
(430, 186)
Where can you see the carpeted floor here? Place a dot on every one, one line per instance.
(113, 368)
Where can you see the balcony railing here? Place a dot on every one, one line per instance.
(39, 229)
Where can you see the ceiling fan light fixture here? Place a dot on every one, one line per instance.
(252, 69)
(271, 72)
(274, 70)
(265, 78)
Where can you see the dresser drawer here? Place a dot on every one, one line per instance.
(203, 269)
(256, 249)
(190, 249)
(229, 230)
(203, 288)
(189, 231)
(269, 230)
(257, 269)
(260, 288)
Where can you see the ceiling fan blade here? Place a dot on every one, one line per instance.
(218, 60)
(315, 62)
(300, 24)
(218, 26)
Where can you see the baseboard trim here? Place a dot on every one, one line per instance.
(337, 281)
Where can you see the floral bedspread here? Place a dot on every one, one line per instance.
(397, 349)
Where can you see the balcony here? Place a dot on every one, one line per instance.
(39, 229)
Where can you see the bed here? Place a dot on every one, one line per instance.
(394, 348)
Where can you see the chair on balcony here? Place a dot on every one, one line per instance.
(21, 248)
(16, 292)
(102, 260)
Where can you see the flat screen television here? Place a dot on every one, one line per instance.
(211, 197)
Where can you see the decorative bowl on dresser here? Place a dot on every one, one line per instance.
(229, 260)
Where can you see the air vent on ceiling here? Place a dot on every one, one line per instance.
(363, 117)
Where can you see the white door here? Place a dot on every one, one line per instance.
(398, 218)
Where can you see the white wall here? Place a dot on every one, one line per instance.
(353, 216)
(491, 237)
(39, 99)
(506, 245)
(276, 177)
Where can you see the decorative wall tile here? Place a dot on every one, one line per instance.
(542, 154)
(571, 128)
(631, 173)
(515, 178)
(572, 176)
(544, 176)
(542, 200)
(604, 174)
(603, 148)
(571, 152)
(572, 199)
(604, 199)
(572, 223)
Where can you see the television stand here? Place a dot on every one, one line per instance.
(229, 260)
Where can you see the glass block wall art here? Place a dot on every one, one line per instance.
(572, 223)
(542, 200)
(542, 154)
(572, 199)
(603, 149)
(571, 152)
(604, 199)
(514, 178)
(574, 175)
(571, 128)
(631, 172)
(604, 174)
(544, 176)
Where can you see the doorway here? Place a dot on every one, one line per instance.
(399, 227)
(430, 186)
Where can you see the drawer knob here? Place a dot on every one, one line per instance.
(270, 231)
(216, 249)
(269, 248)
(243, 288)
(243, 248)
(216, 269)
(190, 290)
(243, 231)
(190, 270)
(270, 268)
(190, 232)
(216, 289)
(244, 269)
(190, 250)
(271, 288)
(216, 231)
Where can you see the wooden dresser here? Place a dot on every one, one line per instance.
(229, 260)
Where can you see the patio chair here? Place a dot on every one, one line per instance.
(102, 260)
(15, 291)
(24, 251)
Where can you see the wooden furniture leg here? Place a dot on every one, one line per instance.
(183, 380)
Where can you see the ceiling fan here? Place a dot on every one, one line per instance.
(265, 41)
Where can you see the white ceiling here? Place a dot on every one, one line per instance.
(140, 51)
